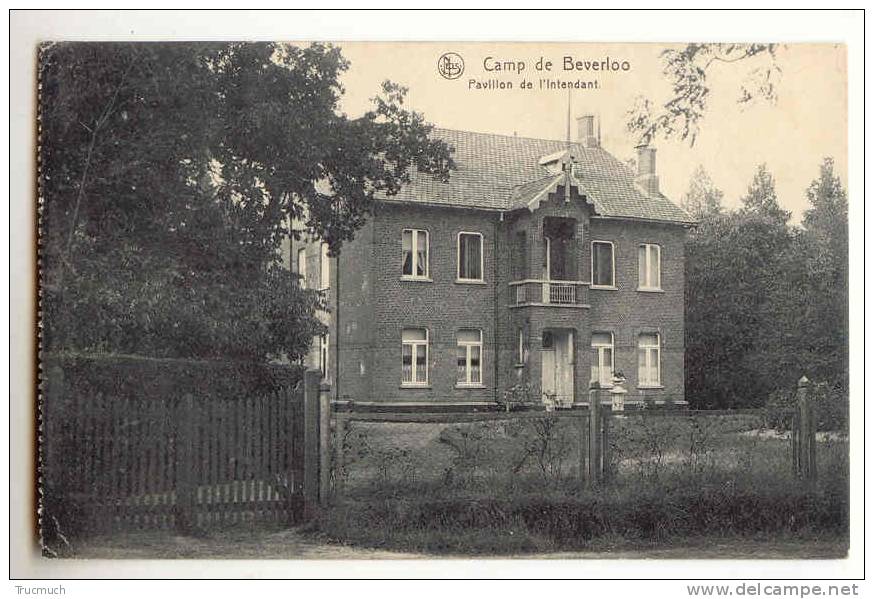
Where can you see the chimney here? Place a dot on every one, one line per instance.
(586, 131)
(646, 169)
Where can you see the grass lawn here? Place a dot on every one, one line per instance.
(512, 488)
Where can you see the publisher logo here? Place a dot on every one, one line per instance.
(450, 65)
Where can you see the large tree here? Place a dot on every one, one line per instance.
(688, 69)
(703, 198)
(825, 330)
(766, 302)
(738, 309)
(761, 197)
(170, 174)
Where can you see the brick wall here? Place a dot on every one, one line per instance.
(441, 305)
(376, 304)
(627, 312)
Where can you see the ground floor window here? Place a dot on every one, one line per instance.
(469, 357)
(602, 359)
(648, 360)
(414, 357)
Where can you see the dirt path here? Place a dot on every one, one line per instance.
(292, 544)
(283, 544)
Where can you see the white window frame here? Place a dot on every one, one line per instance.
(324, 267)
(468, 370)
(612, 264)
(601, 347)
(648, 251)
(413, 352)
(302, 266)
(324, 354)
(482, 252)
(657, 346)
(414, 262)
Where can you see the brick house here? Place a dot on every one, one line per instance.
(539, 266)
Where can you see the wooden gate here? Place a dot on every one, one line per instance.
(182, 462)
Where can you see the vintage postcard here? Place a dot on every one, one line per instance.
(421, 300)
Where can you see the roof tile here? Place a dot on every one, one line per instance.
(495, 172)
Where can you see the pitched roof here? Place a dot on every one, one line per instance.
(500, 172)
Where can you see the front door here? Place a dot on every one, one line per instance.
(557, 367)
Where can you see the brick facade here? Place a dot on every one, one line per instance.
(376, 304)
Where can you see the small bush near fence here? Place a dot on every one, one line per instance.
(514, 486)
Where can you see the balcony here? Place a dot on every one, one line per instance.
(539, 292)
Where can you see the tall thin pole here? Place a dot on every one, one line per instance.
(568, 131)
(567, 178)
(599, 130)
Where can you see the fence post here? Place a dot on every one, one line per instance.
(185, 486)
(584, 444)
(324, 443)
(311, 380)
(594, 434)
(605, 445)
(339, 456)
(805, 446)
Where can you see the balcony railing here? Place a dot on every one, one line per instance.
(542, 292)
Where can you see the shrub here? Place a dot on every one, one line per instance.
(509, 487)
(510, 523)
(830, 401)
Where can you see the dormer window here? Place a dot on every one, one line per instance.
(557, 162)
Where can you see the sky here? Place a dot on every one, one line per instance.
(807, 122)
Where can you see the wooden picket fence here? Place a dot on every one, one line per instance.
(593, 424)
(182, 462)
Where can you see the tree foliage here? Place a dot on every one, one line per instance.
(687, 70)
(761, 197)
(703, 197)
(766, 302)
(169, 177)
(825, 239)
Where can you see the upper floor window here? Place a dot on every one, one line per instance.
(649, 266)
(603, 264)
(414, 357)
(469, 357)
(602, 359)
(302, 266)
(415, 254)
(470, 256)
(648, 360)
(324, 268)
